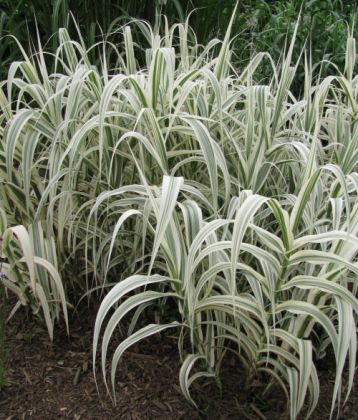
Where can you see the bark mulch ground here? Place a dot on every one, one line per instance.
(51, 381)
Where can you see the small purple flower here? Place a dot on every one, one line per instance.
(2, 275)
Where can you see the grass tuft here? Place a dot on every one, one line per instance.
(191, 185)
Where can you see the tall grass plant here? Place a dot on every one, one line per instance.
(184, 182)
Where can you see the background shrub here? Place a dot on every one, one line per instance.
(259, 25)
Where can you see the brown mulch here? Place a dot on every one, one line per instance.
(55, 380)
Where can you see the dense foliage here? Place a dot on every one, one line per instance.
(187, 185)
(260, 25)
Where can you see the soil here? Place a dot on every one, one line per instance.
(55, 380)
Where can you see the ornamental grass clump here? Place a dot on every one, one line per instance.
(184, 182)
